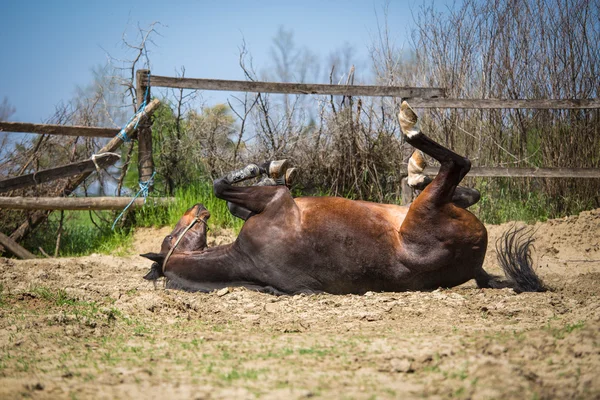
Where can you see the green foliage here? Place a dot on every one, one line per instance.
(186, 197)
(504, 200)
(187, 146)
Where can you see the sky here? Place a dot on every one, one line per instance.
(49, 48)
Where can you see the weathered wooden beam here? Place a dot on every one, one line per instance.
(78, 203)
(64, 130)
(506, 104)
(293, 88)
(408, 194)
(145, 160)
(53, 174)
(500, 172)
(421, 97)
(15, 248)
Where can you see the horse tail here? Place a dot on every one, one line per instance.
(513, 251)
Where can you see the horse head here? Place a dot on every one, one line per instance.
(189, 234)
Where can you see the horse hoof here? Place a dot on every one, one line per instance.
(416, 165)
(266, 182)
(278, 168)
(290, 176)
(409, 122)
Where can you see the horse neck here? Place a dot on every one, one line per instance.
(215, 264)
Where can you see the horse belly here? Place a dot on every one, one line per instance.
(351, 255)
(332, 245)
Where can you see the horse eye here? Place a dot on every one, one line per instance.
(169, 237)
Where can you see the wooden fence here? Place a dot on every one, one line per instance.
(420, 98)
(503, 172)
(81, 170)
(63, 130)
(78, 203)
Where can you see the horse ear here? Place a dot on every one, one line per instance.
(156, 257)
(154, 273)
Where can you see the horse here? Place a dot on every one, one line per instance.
(335, 245)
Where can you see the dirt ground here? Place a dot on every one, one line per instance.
(90, 327)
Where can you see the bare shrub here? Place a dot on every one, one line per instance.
(512, 50)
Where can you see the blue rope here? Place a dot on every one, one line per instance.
(122, 135)
(144, 187)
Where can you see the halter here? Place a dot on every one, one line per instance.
(187, 228)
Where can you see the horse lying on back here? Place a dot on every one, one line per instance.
(340, 246)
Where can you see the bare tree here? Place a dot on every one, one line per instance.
(6, 110)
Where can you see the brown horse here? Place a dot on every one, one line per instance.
(339, 246)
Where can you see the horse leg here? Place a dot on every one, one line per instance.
(232, 265)
(453, 166)
(463, 197)
(245, 201)
(279, 174)
(443, 243)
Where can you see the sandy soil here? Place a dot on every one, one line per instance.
(90, 327)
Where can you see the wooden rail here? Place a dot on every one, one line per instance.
(53, 174)
(15, 248)
(64, 130)
(500, 172)
(78, 203)
(292, 88)
(548, 104)
(421, 97)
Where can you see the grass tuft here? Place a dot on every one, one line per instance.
(186, 197)
(502, 201)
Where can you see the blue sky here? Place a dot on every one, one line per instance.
(50, 47)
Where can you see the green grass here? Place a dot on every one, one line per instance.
(57, 297)
(563, 331)
(199, 192)
(503, 201)
(80, 235)
(2, 295)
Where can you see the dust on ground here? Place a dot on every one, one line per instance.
(90, 327)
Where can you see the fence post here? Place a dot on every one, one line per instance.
(408, 194)
(145, 161)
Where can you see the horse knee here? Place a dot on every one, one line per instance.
(219, 187)
(465, 167)
(239, 211)
(460, 166)
(465, 197)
